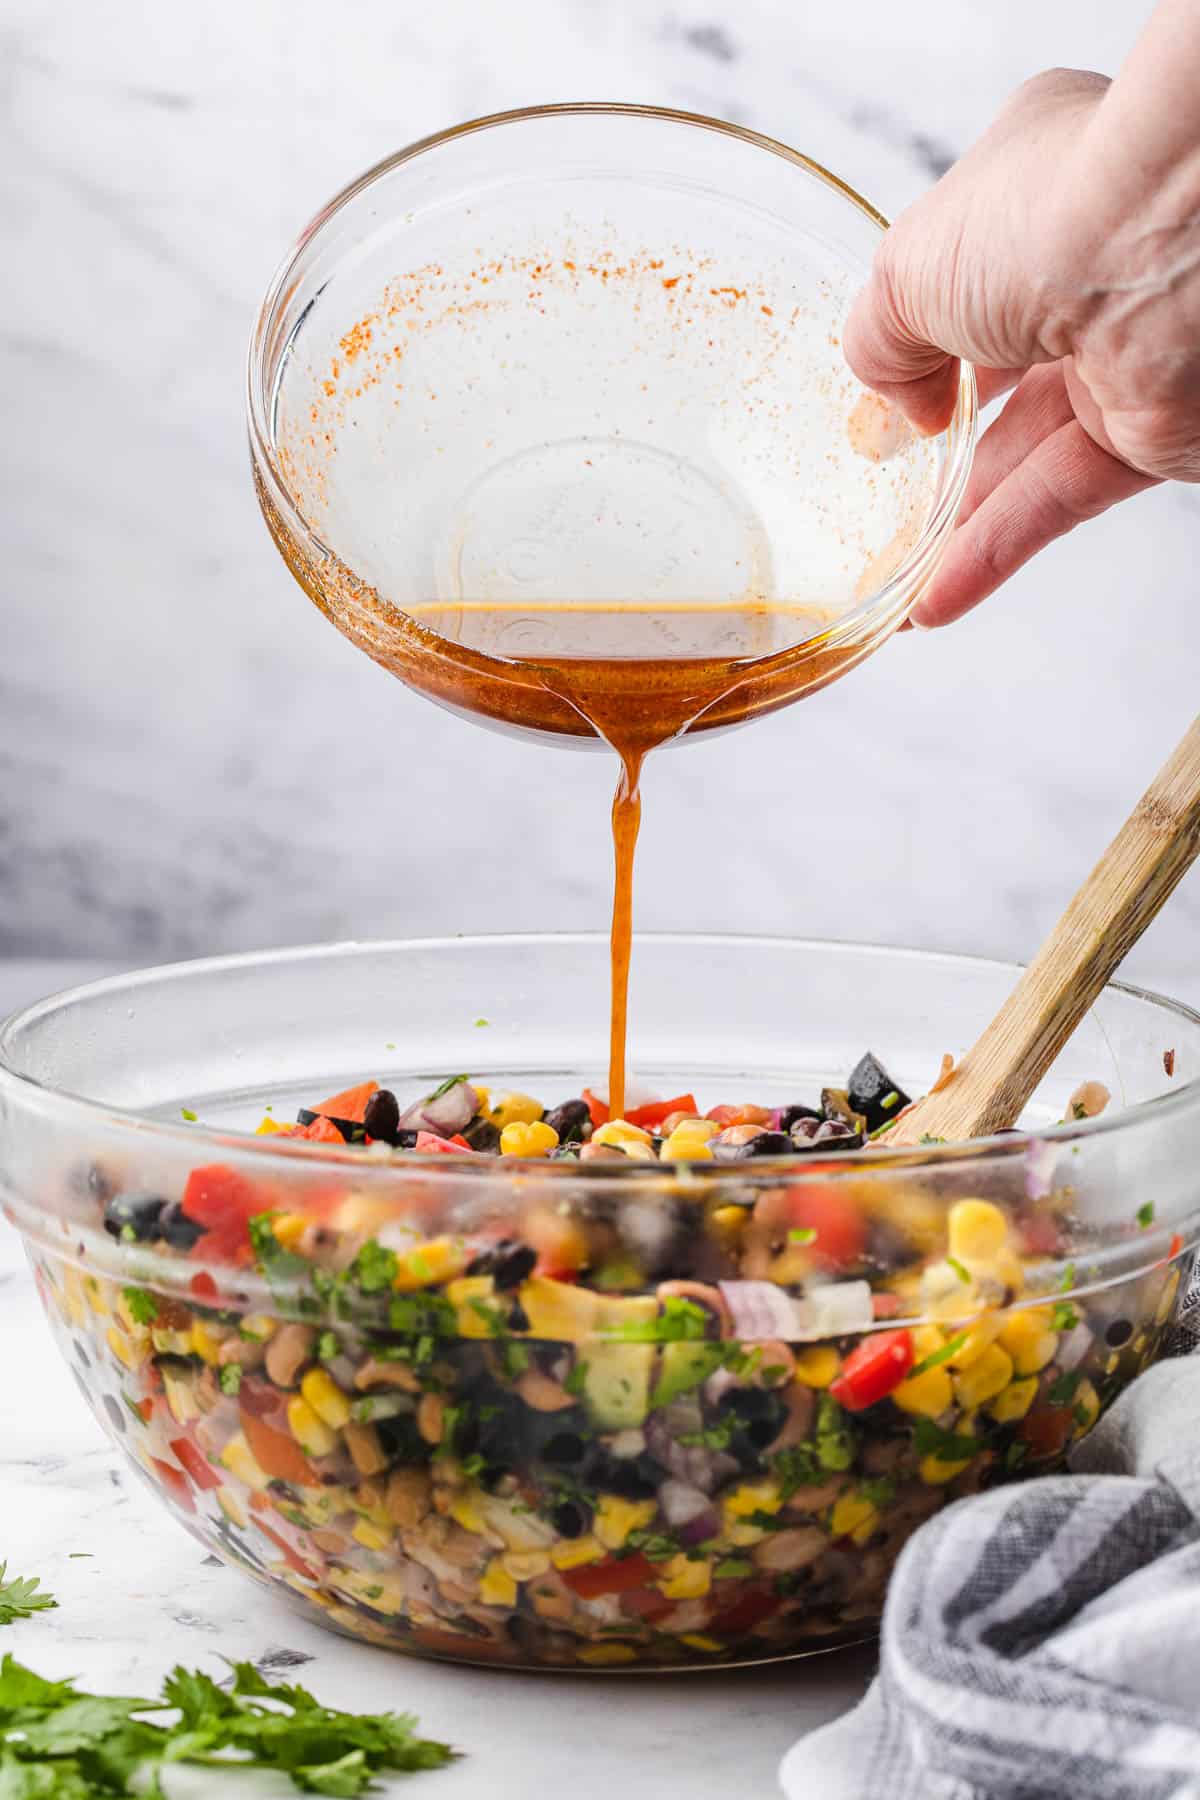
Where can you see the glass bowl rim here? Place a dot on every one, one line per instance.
(198, 1138)
(888, 603)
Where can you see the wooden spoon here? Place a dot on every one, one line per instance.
(1144, 863)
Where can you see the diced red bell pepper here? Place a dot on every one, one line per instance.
(655, 1111)
(195, 1462)
(870, 1372)
(841, 1235)
(433, 1145)
(616, 1575)
(753, 1607)
(175, 1482)
(277, 1454)
(350, 1104)
(223, 1201)
(596, 1107)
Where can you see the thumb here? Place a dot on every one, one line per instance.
(888, 355)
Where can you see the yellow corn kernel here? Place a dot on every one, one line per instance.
(526, 1565)
(597, 1655)
(695, 1640)
(934, 1472)
(483, 1097)
(430, 1264)
(1029, 1339)
(1085, 1408)
(751, 1497)
(326, 1398)
(537, 1139)
(121, 1347)
(728, 1222)
(977, 1229)
(1014, 1401)
(741, 1534)
(817, 1366)
(497, 1587)
(241, 1462)
(464, 1510)
(987, 1376)
(289, 1228)
(979, 1338)
(73, 1291)
(229, 1504)
(851, 1514)
(97, 1298)
(926, 1339)
(683, 1146)
(928, 1394)
(1166, 1299)
(620, 1132)
(371, 1537)
(558, 1310)
(616, 1518)
(514, 1109)
(204, 1344)
(309, 1430)
(259, 1326)
(572, 1553)
(462, 1295)
(699, 1128)
(684, 1580)
(181, 1402)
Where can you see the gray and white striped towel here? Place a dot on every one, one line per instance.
(1043, 1639)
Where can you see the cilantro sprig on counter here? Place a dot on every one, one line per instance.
(61, 1744)
(19, 1598)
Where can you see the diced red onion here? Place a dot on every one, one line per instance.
(699, 1529)
(449, 1113)
(680, 1503)
(1074, 1347)
(836, 1308)
(760, 1310)
(1041, 1159)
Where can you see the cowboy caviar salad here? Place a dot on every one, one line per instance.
(564, 1423)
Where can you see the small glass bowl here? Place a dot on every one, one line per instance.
(589, 358)
(583, 1414)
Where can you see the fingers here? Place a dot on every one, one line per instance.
(899, 363)
(1040, 405)
(1061, 481)
(991, 383)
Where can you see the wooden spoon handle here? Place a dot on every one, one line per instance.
(1144, 863)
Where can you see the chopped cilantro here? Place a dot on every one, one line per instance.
(678, 1320)
(879, 1492)
(1145, 1214)
(328, 1346)
(19, 1599)
(1064, 1317)
(1062, 1390)
(189, 1115)
(1081, 1415)
(732, 1568)
(1068, 1279)
(1078, 1110)
(936, 1357)
(423, 1314)
(960, 1269)
(1015, 1455)
(143, 1307)
(655, 1546)
(374, 1268)
(932, 1439)
(795, 1468)
(774, 1373)
(927, 1137)
(480, 1022)
(276, 1263)
(230, 1378)
(714, 1437)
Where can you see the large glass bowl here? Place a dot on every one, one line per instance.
(570, 380)
(599, 1414)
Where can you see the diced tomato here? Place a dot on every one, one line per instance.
(224, 1202)
(655, 1111)
(290, 1556)
(350, 1104)
(596, 1107)
(1046, 1430)
(462, 1142)
(195, 1462)
(320, 1131)
(647, 1604)
(146, 1408)
(740, 1115)
(433, 1145)
(204, 1287)
(277, 1454)
(841, 1235)
(753, 1607)
(886, 1306)
(616, 1575)
(175, 1482)
(870, 1372)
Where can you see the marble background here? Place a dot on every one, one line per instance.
(191, 758)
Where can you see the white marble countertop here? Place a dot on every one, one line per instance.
(137, 1595)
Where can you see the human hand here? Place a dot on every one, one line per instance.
(1061, 255)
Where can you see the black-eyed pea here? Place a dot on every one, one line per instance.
(366, 1450)
(288, 1351)
(542, 1393)
(431, 1418)
(782, 1551)
(407, 1497)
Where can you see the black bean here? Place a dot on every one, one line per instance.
(791, 1115)
(381, 1117)
(633, 1478)
(176, 1229)
(570, 1519)
(767, 1143)
(565, 1449)
(1117, 1333)
(508, 1263)
(483, 1136)
(518, 1318)
(872, 1092)
(134, 1215)
(572, 1121)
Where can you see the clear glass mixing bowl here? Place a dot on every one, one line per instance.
(571, 380)
(584, 1414)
